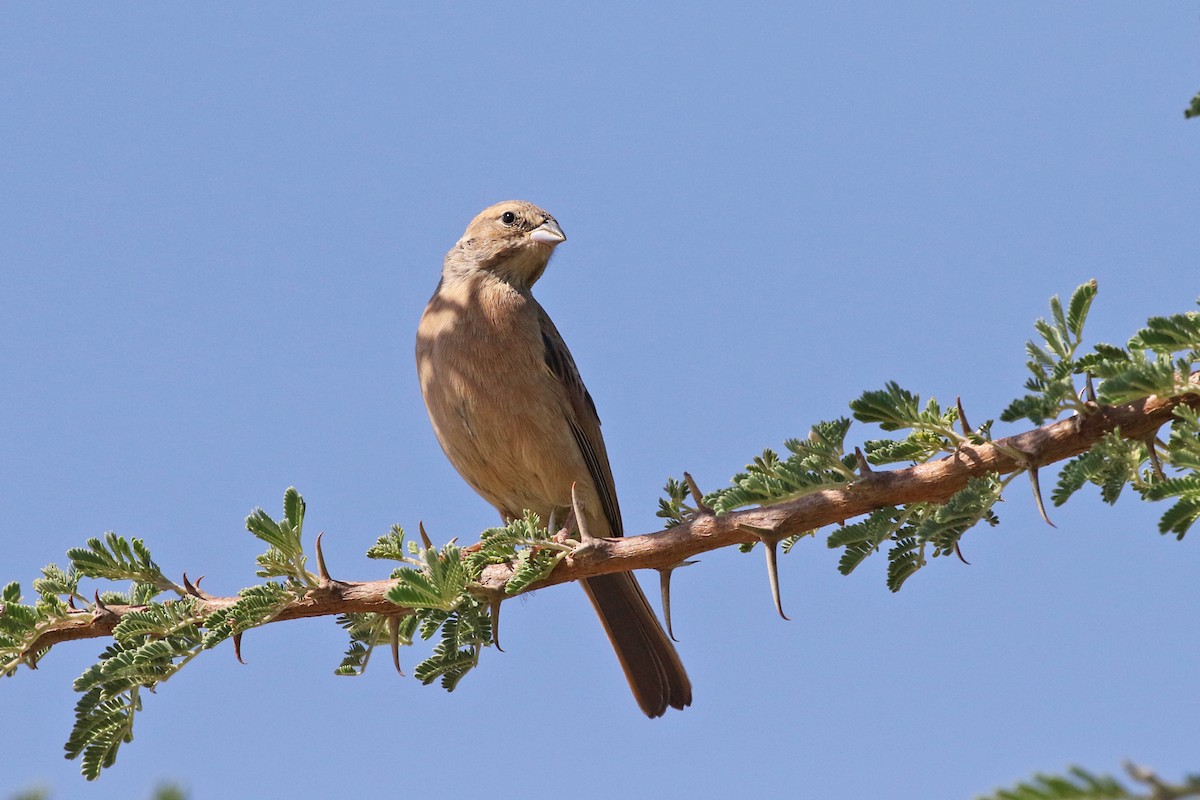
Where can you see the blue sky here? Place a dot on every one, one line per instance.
(219, 224)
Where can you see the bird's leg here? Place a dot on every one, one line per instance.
(580, 518)
(563, 528)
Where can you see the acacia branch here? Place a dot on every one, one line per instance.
(935, 481)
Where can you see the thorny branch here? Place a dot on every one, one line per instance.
(935, 481)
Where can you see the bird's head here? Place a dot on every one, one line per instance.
(513, 239)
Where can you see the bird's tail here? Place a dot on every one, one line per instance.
(651, 665)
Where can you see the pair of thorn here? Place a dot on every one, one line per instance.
(1023, 460)
(767, 536)
(664, 573)
(493, 609)
(331, 585)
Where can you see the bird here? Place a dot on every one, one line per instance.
(514, 418)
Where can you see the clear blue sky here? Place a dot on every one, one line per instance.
(219, 225)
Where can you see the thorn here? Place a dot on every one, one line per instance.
(71, 602)
(424, 536)
(237, 647)
(322, 572)
(1090, 388)
(773, 574)
(962, 417)
(770, 541)
(1147, 776)
(1155, 464)
(697, 496)
(863, 467)
(958, 552)
(394, 640)
(100, 606)
(194, 588)
(580, 522)
(494, 610)
(1037, 495)
(664, 586)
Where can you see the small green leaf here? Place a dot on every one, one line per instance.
(389, 546)
(1081, 301)
(293, 508)
(440, 584)
(892, 408)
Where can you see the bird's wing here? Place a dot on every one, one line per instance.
(583, 419)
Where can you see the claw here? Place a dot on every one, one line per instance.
(770, 541)
(237, 647)
(664, 586)
(697, 496)
(424, 536)
(1037, 495)
(494, 610)
(580, 520)
(394, 640)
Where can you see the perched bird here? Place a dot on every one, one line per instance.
(515, 420)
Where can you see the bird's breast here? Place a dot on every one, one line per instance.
(495, 406)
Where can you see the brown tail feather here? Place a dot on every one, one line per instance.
(651, 665)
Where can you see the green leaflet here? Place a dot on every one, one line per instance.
(914, 528)
(1077, 784)
(117, 558)
(530, 548)
(102, 724)
(463, 632)
(439, 584)
(812, 463)
(256, 606)
(390, 546)
(285, 552)
(1052, 363)
(159, 620)
(1111, 464)
(368, 631)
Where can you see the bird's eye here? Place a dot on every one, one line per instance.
(508, 218)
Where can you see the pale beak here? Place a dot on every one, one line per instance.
(548, 233)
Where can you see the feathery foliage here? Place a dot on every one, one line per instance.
(1077, 784)
(525, 544)
(1160, 359)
